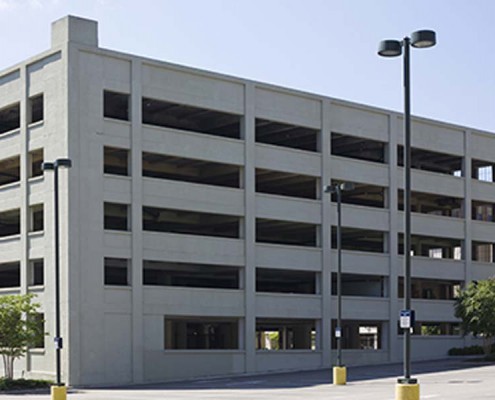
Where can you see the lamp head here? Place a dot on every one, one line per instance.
(63, 162)
(346, 186)
(47, 166)
(390, 48)
(423, 39)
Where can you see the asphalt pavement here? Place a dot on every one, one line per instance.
(453, 379)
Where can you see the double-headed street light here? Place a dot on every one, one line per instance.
(393, 48)
(58, 392)
(339, 371)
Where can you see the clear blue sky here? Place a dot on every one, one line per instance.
(322, 46)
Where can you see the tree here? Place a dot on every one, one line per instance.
(20, 327)
(475, 306)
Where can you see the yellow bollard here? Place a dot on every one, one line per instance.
(339, 375)
(59, 392)
(407, 391)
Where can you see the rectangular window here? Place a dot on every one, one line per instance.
(10, 223)
(363, 335)
(10, 118)
(116, 271)
(285, 281)
(293, 334)
(37, 218)
(115, 161)
(10, 275)
(10, 170)
(36, 272)
(116, 216)
(190, 222)
(36, 108)
(201, 334)
(35, 160)
(116, 105)
(162, 273)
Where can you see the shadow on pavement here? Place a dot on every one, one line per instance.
(303, 379)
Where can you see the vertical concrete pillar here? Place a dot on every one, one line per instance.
(467, 248)
(248, 133)
(136, 223)
(325, 335)
(395, 263)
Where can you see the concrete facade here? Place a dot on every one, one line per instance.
(133, 331)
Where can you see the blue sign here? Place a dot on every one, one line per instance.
(407, 319)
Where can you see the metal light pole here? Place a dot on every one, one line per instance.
(54, 166)
(393, 48)
(340, 374)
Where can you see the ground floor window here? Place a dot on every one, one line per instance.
(364, 335)
(294, 334)
(201, 333)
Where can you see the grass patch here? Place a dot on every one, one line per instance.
(23, 384)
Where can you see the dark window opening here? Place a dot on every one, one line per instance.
(116, 216)
(431, 289)
(286, 135)
(10, 170)
(37, 218)
(433, 247)
(285, 281)
(483, 252)
(115, 161)
(428, 203)
(482, 211)
(116, 271)
(285, 184)
(188, 170)
(116, 105)
(432, 161)
(35, 159)
(286, 232)
(361, 285)
(361, 195)
(201, 334)
(162, 273)
(359, 335)
(190, 222)
(37, 272)
(190, 118)
(36, 108)
(482, 170)
(293, 334)
(10, 118)
(358, 148)
(355, 239)
(10, 275)
(10, 223)
(435, 329)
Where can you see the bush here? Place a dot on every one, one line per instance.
(466, 351)
(23, 384)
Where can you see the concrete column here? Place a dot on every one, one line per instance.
(136, 223)
(395, 264)
(248, 131)
(325, 335)
(467, 245)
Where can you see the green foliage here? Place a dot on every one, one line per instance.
(466, 351)
(19, 327)
(475, 306)
(20, 384)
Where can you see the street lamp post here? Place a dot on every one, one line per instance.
(393, 48)
(58, 392)
(339, 371)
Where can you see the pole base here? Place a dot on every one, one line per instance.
(339, 375)
(407, 391)
(59, 392)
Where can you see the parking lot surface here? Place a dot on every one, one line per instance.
(446, 379)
